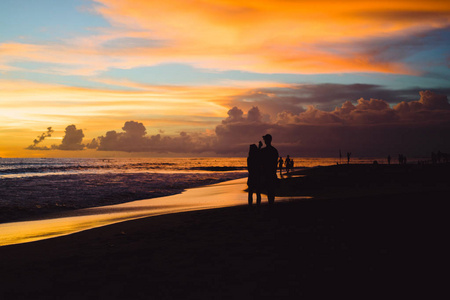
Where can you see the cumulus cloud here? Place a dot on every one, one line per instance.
(134, 138)
(431, 107)
(92, 144)
(373, 127)
(239, 129)
(72, 139)
(325, 96)
(369, 127)
(296, 97)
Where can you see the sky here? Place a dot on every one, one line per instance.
(81, 78)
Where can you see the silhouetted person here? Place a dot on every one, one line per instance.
(389, 159)
(269, 159)
(280, 164)
(288, 164)
(254, 174)
(348, 157)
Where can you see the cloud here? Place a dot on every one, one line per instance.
(253, 36)
(325, 97)
(368, 128)
(431, 107)
(371, 127)
(134, 139)
(262, 36)
(92, 144)
(72, 139)
(40, 139)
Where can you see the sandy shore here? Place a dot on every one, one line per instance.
(390, 244)
(37, 196)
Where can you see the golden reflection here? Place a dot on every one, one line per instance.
(229, 193)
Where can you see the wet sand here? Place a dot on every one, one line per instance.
(390, 244)
(36, 196)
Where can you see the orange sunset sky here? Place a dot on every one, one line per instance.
(116, 77)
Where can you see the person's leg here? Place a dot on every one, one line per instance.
(250, 196)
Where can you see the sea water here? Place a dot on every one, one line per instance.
(43, 198)
(32, 187)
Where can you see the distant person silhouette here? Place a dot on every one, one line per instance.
(254, 167)
(389, 159)
(269, 159)
(348, 157)
(288, 164)
(280, 165)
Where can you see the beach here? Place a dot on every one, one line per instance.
(367, 232)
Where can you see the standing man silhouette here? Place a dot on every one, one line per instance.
(280, 165)
(269, 159)
(288, 164)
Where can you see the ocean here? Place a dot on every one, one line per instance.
(33, 187)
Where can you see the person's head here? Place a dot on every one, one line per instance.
(252, 150)
(267, 139)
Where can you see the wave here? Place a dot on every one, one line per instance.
(29, 197)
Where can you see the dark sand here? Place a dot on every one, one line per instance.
(382, 238)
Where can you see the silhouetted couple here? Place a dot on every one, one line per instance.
(262, 170)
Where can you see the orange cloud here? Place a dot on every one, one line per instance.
(260, 36)
(274, 36)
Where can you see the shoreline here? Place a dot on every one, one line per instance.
(346, 247)
(354, 245)
(34, 198)
(227, 193)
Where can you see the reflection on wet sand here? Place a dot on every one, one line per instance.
(229, 193)
(74, 221)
